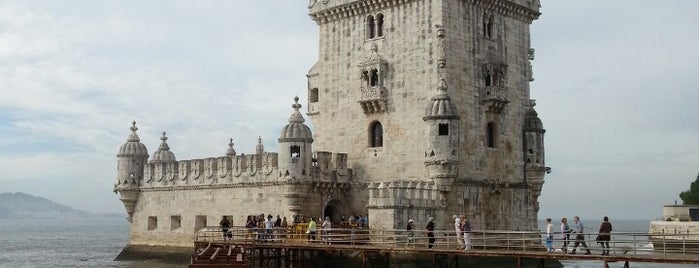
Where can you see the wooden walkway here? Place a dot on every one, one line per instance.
(385, 248)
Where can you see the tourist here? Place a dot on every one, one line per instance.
(284, 226)
(578, 230)
(466, 228)
(250, 225)
(225, 225)
(565, 234)
(311, 230)
(605, 230)
(411, 233)
(327, 225)
(278, 222)
(269, 227)
(457, 229)
(549, 235)
(430, 232)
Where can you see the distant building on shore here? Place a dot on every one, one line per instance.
(420, 108)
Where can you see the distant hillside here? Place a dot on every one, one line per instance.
(22, 206)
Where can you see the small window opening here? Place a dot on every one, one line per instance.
(313, 95)
(175, 222)
(370, 27)
(443, 129)
(488, 26)
(490, 134)
(199, 222)
(152, 223)
(374, 78)
(488, 79)
(376, 135)
(295, 151)
(379, 25)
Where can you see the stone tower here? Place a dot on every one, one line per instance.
(131, 159)
(295, 146)
(379, 63)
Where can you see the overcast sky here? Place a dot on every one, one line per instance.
(616, 87)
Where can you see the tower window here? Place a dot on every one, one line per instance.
(490, 134)
(375, 134)
(365, 78)
(374, 81)
(379, 25)
(175, 222)
(443, 129)
(370, 27)
(295, 151)
(199, 222)
(488, 79)
(488, 26)
(152, 223)
(313, 95)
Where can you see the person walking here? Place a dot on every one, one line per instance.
(311, 231)
(466, 228)
(578, 230)
(457, 229)
(411, 233)
(327, 225)
(430, 233)
(269, 227)
(549, 235)
(605, 230)
(565, 234)
(225, 225)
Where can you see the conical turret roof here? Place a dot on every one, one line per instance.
(440, 106)
(133, 145)
(163, 154)
(296, 130)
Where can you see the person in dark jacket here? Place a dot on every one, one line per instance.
(430, 232)
(605, 230)
(225, 225)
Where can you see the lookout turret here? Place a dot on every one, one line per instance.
(441, 156)
(295, 146)
(131, 159)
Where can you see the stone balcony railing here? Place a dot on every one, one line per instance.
(494, 98)
(373, 99)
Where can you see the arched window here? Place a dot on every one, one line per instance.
(375, 134)
(374, 78)
(488, 22)
(365, 79)
(370, 27)
(490, 134)
(489, 27)
(488, 79)
(379, 25)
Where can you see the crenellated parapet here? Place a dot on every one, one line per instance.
(404, 194)
(223, 170)
(331, 167)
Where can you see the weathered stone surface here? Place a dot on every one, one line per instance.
(420, 108)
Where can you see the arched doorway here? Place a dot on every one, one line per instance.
(334, 210)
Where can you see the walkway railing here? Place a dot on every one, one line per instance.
(621, 243)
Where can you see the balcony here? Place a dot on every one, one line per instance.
(494, 98)
(373, 100)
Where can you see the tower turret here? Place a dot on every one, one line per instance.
(163, 154)
(441, 155)
(295, 146)
(131, 159)
(231, 150)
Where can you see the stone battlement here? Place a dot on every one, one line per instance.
(229, 171)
